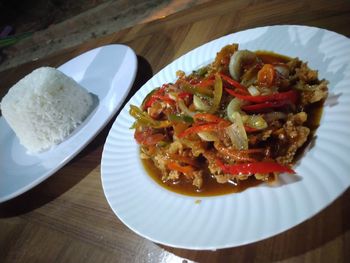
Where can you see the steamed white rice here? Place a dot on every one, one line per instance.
(44, 107)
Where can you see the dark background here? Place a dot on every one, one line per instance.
(34, 15)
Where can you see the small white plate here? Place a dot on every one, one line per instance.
(257, 213)
(108, 72)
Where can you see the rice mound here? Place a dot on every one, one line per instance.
(44, 107)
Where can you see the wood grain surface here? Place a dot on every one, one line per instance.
(67, 218)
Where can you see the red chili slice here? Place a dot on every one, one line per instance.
(203, 127)
(254, 168)
(290, 95)
(266, 105)
(234, 83)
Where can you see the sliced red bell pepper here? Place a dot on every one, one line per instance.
(163, 98)
(187, 169)
(158, 95)
(149, 102)
(234, 83)
(250, 129)
(202, 128)
(290, 95)
(266, 105)
(207, 117)
(205, 83)
(183, 95)
(254, 168)
(202, 83)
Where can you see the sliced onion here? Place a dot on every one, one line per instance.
(208, 136)
(184, 108)
(172, 95)
(199, 104)
(255, 121)
(253, 91)
(283, 69)
(237, 133)
(234, 106)
(238, 60)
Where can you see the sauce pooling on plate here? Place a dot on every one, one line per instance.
(236, 123)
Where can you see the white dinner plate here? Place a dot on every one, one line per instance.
(108, 72)
(257, 213)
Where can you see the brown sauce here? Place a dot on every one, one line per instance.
(269, 57)
(210, 186)
(314, 113)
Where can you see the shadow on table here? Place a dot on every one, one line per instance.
(77, 169)
(144, 73)
(309, 235)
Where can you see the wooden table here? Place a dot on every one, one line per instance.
(67, 218)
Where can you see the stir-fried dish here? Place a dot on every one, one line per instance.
(242, 116)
